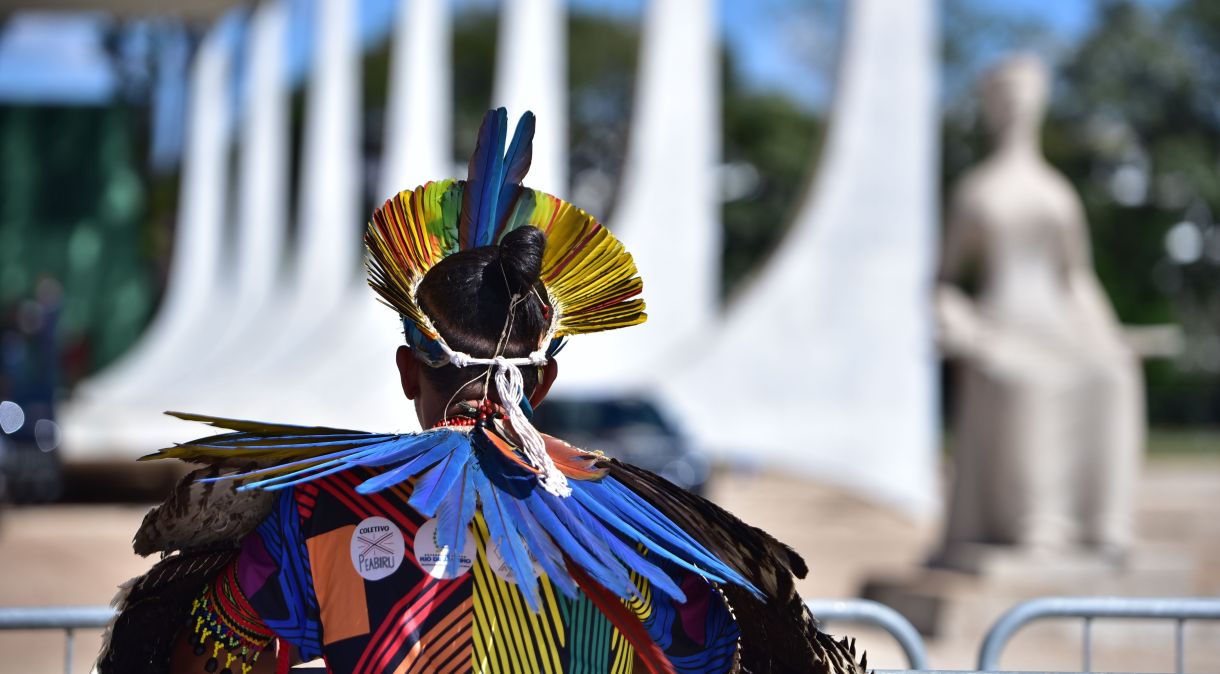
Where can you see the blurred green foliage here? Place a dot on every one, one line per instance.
(1135, 125)
(73, 202)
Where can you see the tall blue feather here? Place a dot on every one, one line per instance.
(548, 555)
(579, 543)
(632, 510)
(414, 465)
(453, 517)
(484, 177)
(633, 560)
(516, 165)
(631, 529)
(436, 483)
(503, 533)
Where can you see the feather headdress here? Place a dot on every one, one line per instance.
(590, 279)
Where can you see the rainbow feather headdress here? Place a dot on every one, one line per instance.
(590, 279)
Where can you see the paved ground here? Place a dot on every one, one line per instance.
(77, 554)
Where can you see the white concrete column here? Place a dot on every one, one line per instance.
(825, 363)
(531, 74)
(668, 213)
(262, 191)
(328, 258)
(419, 113)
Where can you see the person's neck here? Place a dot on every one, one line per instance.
(1019, 142)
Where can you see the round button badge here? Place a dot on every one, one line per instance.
(377, 548)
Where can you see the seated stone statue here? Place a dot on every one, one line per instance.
(1049, 421)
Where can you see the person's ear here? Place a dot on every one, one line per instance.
(408, 371)
(546, 377)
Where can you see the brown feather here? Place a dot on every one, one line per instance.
(153, 608)
(202, 515)
(778, 633)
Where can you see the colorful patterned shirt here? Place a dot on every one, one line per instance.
(358, 580)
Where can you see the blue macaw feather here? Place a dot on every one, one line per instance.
(319, 466)
(412, 466)
(287, 441)
(300, 480)
(636, 562)
(410, 446)
(545, 552)
(622, 498)
(502, 531)
(632, 529)
(578, 543)
(516, 165)
(634, 508)
(483, 179)
(314, 463)
(602, 528)
(634, 511)
(567, 542)
(438, 481)
(454, 514)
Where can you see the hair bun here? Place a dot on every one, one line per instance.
(521, 256)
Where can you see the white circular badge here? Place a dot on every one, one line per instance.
(433, 558)
(377, 548)
(500, 566)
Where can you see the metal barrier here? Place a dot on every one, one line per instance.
(868, 612)
(1088, 608)
(862, 611)
(66, 618)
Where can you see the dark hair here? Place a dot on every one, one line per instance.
(467, 296)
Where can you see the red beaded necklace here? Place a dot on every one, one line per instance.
(455, 421)
(486, 410)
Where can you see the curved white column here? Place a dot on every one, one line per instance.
(257, 283)
(419, 112)
(262, 192)
(302, 329)
(825, 364)
(668, 214)
(531, 74)
(187, 317)
(328, 259)
(257, 279)
(418, 148)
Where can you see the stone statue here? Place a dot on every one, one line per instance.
(1049, 423)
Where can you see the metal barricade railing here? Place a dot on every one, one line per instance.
(1088, 608)
(66, 618)
(868, 612)
(860, 611)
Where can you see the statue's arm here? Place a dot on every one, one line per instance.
(961, 244)
(1092, 304)
(958, 324)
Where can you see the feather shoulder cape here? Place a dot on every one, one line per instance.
(618, 518)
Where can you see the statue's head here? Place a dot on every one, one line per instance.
(1014, 94)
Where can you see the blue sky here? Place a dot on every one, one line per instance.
(786, 45)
